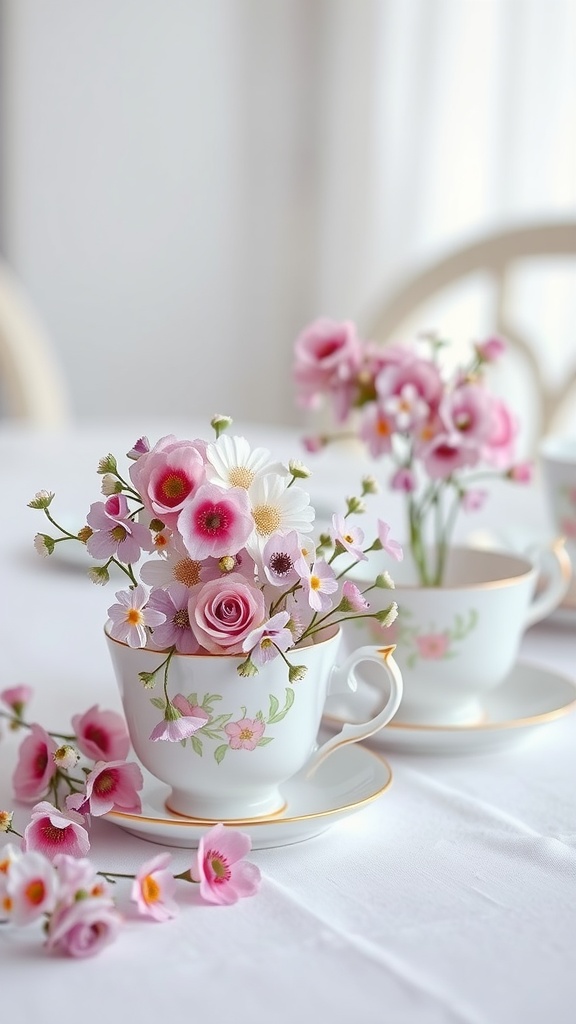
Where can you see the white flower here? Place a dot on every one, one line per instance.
(44, 544)
(276, 508)
(232, 463)
(175, 566)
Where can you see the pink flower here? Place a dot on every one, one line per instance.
(189, 710)
(101, 735)
(490, 350)
(314, 443)
(114, 532)
(391, 547)
(568, 527)
(327, 358)
(318, 582)
(223, 612)
(84, 927)
(447, 453)
(110, 785)
(403, 480)
(177, 725)
(218, 866)
(279, 556)
(130, 617)
(30, 890)
(16, 697)
(51, 831)
(77, 875)
(376, 430)
(353, 597)
(351, 538)
(521, 473)
(499, 445)
(216, 522)
(35, 767)
(473, 499)
(469, 411)
(153, 889)
(433, 645)
(415, 386)
(245, 734)
(175, 631)
(140, 447)
(167, 477)
(265, 642)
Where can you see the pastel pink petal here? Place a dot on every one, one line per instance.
(101, 544)
(232, 844)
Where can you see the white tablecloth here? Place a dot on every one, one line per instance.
(451, 898)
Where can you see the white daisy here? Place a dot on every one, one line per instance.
(276, 508)
(232, 463)
(175, 566)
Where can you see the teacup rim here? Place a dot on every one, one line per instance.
(333, 630)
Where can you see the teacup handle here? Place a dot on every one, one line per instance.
(342, 680)
(557, 561)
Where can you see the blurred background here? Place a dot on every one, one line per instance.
(185, 184)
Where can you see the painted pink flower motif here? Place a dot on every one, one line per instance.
(51, 831)
(279, 557)
(219, 867)
(354, 598)
(223, 612)
(216, 522)
(244, 734)
(177, 725)
(175, 630)
(111, 785)
(318, 583)
(16, 697)
(266, 642)
(167, 477)
(84, 927)
(114, 532)
(153, 889)
(447, 453)
(474, 499)
(101, 735)
(130, 616)
(314, 443)
(391, 547)
(433, 646)
(328, 355)
(30, 889)
(190, 710)
(35, 767)
(350, 537)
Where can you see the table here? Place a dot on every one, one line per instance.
(451, 898)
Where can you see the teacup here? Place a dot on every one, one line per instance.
(254, 732)
(558, 461)
(458, 641)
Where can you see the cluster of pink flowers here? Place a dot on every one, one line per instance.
(216, 542)
(48, 877)
(436, 429)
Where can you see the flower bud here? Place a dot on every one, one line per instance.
(388, 615)
(66, 756)
(384, 581)
(296, 673)
(99, 574)
(107, 465)
(84, 534)
(110, 485)
(147, 679)
(247, 668)
(6, 820)
(219, 423)
(156, 525)
(227, 563)
(44, 544)
(355, 505)
(369, 485)
(298, 469)
(42, 499)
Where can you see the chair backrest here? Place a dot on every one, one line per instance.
(543, 350)
(31, 381)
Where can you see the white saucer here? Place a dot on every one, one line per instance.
(530, 697)
(343, 784)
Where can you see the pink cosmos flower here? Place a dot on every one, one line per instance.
(403, 479)
(318, 582)
(130, 617)
(491, 349)
(391, 547)
(77, 875)
(265, 642)
(173, 603)
(114, 532)
(35, 767)
(245, 734)
(153, 889)
(222, 613)
(350, 537)
(101, 735)
(468, 410)
(433, 645)
(376, 430)
(30, 890)
(51, 831)
(84, 927)
(279, 556)
(327, 358)
(167, 477)
(216, 522)
(16, 697)
(416, 386)
(178, 724)
(110, 785)
(405, 408)
(224, 877)
(356, 600)
(446, 453)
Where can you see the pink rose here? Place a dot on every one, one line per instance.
(84, 927)
(167, 476)
(328, 356)
(222, 612)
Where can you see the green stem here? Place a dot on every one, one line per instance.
(20, 721)
(67, 534)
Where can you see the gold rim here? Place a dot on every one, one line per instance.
(252, 822)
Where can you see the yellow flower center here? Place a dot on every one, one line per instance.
(267, 519)
(315, 582)
(246, 734)
(241, 476)
(119, 533)
(35, 891)
(173, 486)
(134, 617)
(187, 572)
(150, 889)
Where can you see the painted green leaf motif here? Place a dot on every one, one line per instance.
(196, 745)
(192, 699)
(158, 702)
(274, 705)
(264, 740)
(281, 714)
(220, 752)
(218, 722)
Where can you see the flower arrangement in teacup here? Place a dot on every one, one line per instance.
(444, 434)
(215, 540)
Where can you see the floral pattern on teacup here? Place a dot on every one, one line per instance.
(432, 644)
(567, 511)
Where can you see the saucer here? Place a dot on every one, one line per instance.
(343, 784)
(531, 696)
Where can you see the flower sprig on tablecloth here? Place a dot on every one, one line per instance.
(48, 877)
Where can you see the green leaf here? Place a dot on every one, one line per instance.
(281, 714)
(196, 745)
(264, 740)
(192, 699)
(220, 752)
(274, 705)
(218, 722)
(158, 702)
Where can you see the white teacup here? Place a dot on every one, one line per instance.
(257, 732)
(558, 461)
(458, 641)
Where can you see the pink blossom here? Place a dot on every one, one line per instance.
(167, 477)
(16, 697)
(191, 710)
(391, 547)
(500, 443)
(224, 877)
(265, 642)
(35, 767)
(568, 527)
(521, 473)
(51, 831)
(114, 532)
(446, 453)
(422, 380)
(327, 359)
(473, 499)
(222, 613)
(433, 645)
(376, 430)
(153, 889)
(30, 890)
(111, 785)
(469, 411)
(351, 538)
(314, 443)
(279, 556)
(84, 927)
(77, 875)
(491, 349)
(140, 447)
(406, 408)
(403, 479)
(177, 724)
(245, 734)
(101, 735)
(354, 598)
(130, 617)
(175, 631)
(318, 582)
(216, 522)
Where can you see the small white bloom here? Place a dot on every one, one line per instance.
(298, 469)
(110, 485)
(66, 756)
(99, 574)
(44, 544)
